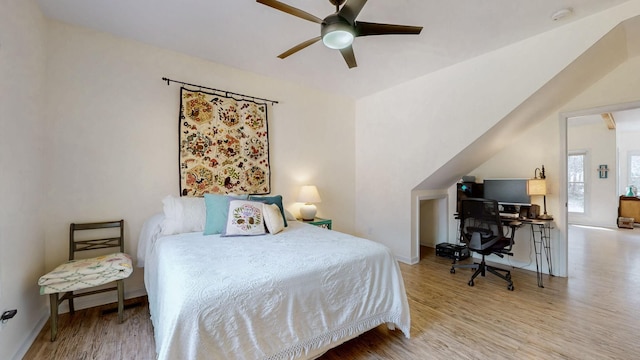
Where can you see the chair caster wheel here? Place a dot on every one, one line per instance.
(471, 283)
(453, 270)
(510, 287)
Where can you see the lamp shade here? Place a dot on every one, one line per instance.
(537, 187)
(309, 195)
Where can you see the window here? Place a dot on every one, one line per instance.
(576, 182)
(634, 170)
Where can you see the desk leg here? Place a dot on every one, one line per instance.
(546, 239)
(537, 248)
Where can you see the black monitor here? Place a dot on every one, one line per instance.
(507, 192)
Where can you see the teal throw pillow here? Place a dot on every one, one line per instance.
(217, 208)
(276, 199)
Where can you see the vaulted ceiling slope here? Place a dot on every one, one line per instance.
(601, 58)
(249, 36)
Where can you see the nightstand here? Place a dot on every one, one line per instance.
(319, 222)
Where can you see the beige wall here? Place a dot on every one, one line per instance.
(114, 135)
(530, 150)
(406, 133)
(23, 172)
(90, 133)
(601, 200)
(621, 86)
(628, 143)
(95, 90)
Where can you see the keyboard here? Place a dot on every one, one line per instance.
(509, 215)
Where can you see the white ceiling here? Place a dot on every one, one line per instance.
(626, 120)
(249, 36)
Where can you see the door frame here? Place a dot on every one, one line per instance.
(563, 219)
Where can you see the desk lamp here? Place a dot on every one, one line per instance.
(538, 186)
(308, 195)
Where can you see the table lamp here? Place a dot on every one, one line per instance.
(308, 195)
(538, 187)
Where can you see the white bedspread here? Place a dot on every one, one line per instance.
(293, 295)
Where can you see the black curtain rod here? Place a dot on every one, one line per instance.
(218, 90)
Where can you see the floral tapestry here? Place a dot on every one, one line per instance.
(224, 145)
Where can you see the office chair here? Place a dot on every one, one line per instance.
(80, 274)
(482, 230)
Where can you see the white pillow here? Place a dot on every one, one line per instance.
(273, 218)
(183, 214)
(244, 218)
(289, 215)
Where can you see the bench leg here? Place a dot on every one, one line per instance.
(120, 284)
(53, 303)
(72, 308)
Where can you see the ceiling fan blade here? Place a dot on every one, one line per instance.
(366, 29)
(299, 47)
(290, 10)
(351, 9)
(349, 56)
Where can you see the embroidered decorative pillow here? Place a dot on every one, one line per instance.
(244, 218)
(182, 215)
(273, 218)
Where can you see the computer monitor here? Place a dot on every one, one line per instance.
(507, 192)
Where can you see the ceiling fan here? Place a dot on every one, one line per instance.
(338, 30)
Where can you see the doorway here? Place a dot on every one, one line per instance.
(433, 224)
(600, 147)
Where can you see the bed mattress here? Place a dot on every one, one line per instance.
(293, 295)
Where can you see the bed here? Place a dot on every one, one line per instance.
(293, 295)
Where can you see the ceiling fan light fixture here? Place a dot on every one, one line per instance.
(336, 32)
(339, 29)
(338, 39)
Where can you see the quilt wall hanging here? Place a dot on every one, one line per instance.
(223, 145)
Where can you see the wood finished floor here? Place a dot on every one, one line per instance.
(593, 314)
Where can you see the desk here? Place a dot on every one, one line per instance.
(629, 207)
(541, 237)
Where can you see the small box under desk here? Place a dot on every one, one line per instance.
(452, 251)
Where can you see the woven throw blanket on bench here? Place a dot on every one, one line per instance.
(81, 274)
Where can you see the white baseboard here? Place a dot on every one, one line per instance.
(410, 261)
(26, 344)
